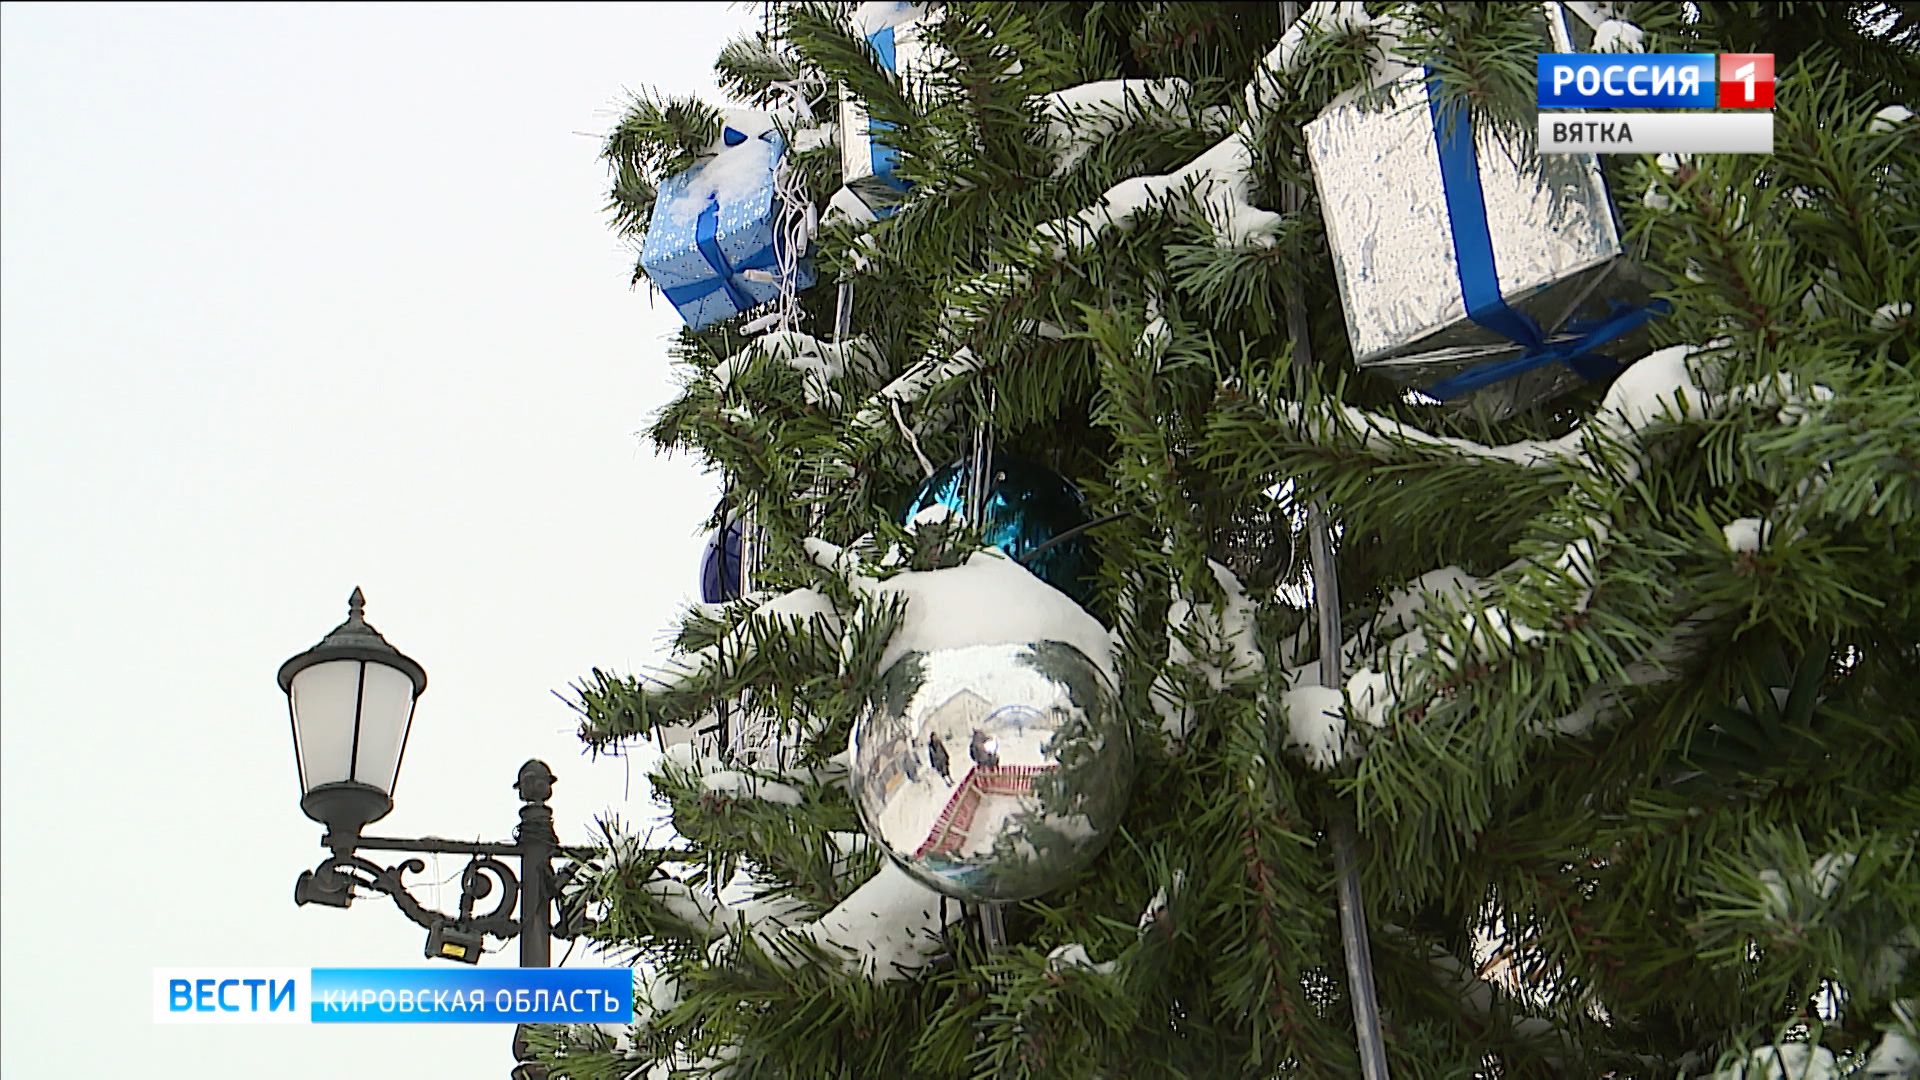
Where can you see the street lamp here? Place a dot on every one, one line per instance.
(351, 700)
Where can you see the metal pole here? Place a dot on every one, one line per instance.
(1326, 606)
(1353, 934)
(537, 845)
(993, 926)
(843, 311)
(1353, 912)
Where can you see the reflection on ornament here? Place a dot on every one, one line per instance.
(720, 566)
(1027, 505)
(1257, 545)
(1037, 790)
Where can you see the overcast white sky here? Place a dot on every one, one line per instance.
(297, 299)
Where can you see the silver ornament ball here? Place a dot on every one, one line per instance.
(992, 772)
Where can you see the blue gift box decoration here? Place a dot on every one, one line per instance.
(867, 163)
(712, 245)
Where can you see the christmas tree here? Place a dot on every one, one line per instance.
(1623, 721)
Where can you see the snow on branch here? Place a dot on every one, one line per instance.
(1321, 720)
(1319, 20)
(1316, 724)
(1216, 641)
(1319, 724)
(1666, 387)
(1374, 433)
(1788, 895)
(1661, 387)
(700, 909)
(913, 384)
(820, 362)
(742, 785)
(799, 610)
(833, 772)
(1073, 956)
(1898, 1052)
(1221, 178)
(1786, 1061)
(987, 600)
(1082, 117)
(655, 994)
(887, 929)
(686, 765)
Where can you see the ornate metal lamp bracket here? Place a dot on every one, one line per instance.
(532, 901)
(335, 880)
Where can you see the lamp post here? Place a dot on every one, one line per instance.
(351, 700)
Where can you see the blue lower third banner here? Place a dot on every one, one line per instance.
(394, 995)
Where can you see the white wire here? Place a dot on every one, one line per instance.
(906, 430)
(794, 224)
(797, 217)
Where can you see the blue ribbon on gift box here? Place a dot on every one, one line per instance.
(706, 236)
(884, 157)
(1480, 279)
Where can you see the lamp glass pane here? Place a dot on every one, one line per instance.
(323, 710)
(385, 705)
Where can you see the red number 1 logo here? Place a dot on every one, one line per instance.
(1746, 81)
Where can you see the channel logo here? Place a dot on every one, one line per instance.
(231, 995)
(1699, 103)
(393, 996)
(1655, 81)
(1746, 81)
(1649, 81)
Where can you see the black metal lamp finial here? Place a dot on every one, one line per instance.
(535, 784)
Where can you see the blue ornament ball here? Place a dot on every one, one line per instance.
(720, 566)
(1028, 504)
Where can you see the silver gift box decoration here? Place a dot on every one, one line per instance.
(1556, 247)
(867, 162)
